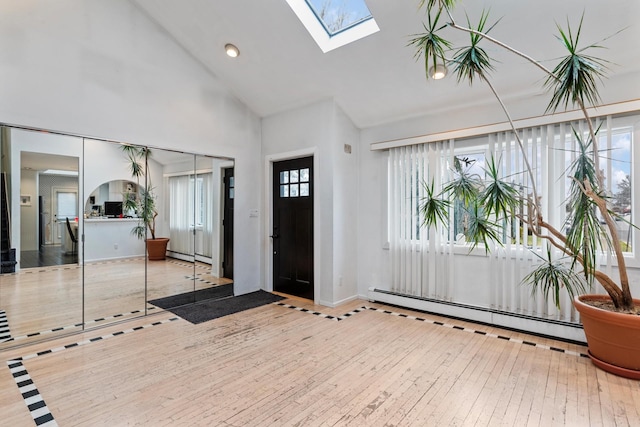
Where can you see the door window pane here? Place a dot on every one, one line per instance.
(67, 205)
(284, 177)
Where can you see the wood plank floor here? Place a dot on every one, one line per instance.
(50, 298)
(47, 255)
(277, 365)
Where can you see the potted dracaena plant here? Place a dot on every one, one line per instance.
(143, 203)
(611, 322)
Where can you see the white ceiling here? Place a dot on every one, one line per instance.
(376, 79)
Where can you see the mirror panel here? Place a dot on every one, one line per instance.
(41, 285)
(209, 178)
(114, 258)
(171, 280)
(69, 258)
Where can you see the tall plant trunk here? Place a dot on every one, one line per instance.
(620, 295)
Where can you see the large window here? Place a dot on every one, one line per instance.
(549, 149)
(425, 262)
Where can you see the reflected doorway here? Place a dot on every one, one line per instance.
(48, 199)
(227, 223)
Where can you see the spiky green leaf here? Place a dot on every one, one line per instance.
(585, 234)
(430, 45)
(499, 197)
(440, 4)
(473, 61)
(552, 276)
(480, 228)
(465, 186)
(575, 77)
(434, 209)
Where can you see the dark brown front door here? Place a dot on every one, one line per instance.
(293, 227)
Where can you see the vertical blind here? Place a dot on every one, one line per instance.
(191, 209)
(423, 261)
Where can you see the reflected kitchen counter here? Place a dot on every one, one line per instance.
(111, 238)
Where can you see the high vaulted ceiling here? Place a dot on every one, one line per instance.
(377, 80)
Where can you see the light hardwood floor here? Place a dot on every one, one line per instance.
(276, 365)
(42, 299)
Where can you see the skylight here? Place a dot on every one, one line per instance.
(335, 23)
(339, 15)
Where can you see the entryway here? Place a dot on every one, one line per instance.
(293, 227)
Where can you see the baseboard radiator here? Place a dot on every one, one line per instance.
(545, 327)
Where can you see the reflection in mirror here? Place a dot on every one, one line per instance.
(48, 209)
(114, 258)
(192, 220)
(40, 191)
(94, 224)
(215, 271)
(170, 280)
(107, 200)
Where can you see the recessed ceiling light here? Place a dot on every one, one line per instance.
(438, 72)
(231, 50)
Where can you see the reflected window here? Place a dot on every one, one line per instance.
(66, 205)
(196, 201)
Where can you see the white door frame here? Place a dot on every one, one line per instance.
(59, 228)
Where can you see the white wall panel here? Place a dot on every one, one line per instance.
(104, 69)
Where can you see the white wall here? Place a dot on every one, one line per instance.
(321, 130)
(104, 69)
(345, 208)
(298, 133)
(29, 214)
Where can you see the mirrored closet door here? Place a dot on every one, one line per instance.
(41, 282)
(112, 255)
(78, 219)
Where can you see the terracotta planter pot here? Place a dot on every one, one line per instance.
(157, 248)
(613, 338)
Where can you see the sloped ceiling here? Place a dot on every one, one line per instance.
(377, 80)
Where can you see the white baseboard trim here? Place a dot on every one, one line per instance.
(560, 330)
(339, 303)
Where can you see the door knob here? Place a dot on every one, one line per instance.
(274, 236)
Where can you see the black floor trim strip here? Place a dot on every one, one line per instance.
(63, 328)
(5, 332)
(435, 322)
(40, 413)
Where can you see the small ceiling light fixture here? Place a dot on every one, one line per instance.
(231, 50)
(438, 72)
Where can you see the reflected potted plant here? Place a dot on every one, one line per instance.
(570, 262)
(143, 203)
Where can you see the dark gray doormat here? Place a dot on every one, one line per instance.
(217, 292)
(208, 310)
